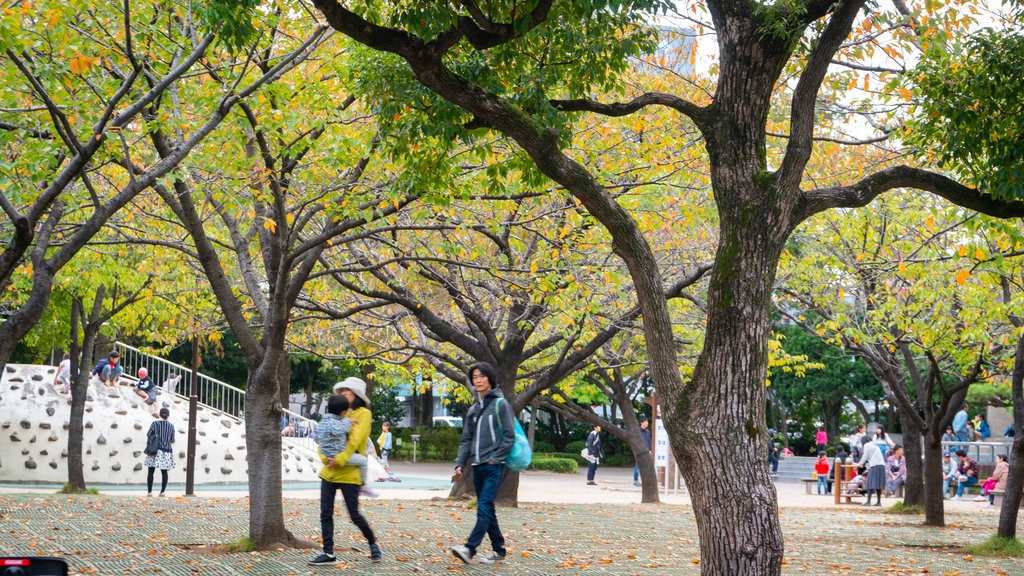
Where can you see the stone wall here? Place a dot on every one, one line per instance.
(34, 436)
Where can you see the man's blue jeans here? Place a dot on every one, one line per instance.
(822, 483)
(961, 436)
(486, 479)
(971, 481)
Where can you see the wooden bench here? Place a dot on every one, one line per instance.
(997, 498)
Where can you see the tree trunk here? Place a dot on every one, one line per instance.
(80, 385)
(913, 490)
(717, 425)
(934, 505)
(79, 390)
(263, 446)
(1015, 479)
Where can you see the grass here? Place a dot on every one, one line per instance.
(244, 544)
(901, 508)
(67, 489)
(997, 545)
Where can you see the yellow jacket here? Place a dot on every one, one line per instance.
(339, 473)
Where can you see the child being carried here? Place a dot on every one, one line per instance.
(332, 435)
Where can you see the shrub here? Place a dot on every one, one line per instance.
(561, 465)
(543, 446)
(575, 446)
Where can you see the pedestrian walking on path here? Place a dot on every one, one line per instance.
(337, 475)
(487, 439)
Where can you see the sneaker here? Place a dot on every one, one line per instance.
(980, 498)
(324, 560)
(636, 484)
(492, 558)
(375, 554)
(368, 492)
(462, 553)
(591, 483)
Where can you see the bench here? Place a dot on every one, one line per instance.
(808, 482)
(997, 498)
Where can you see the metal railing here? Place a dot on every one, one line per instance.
(214, 394)
(984, 452)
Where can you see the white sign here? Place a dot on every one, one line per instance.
(661, 451)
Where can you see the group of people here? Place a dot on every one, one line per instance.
(108, 372)
(487, 438)
(882, 467)
(963, 429)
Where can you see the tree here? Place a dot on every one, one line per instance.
(516, 72)
(895, 287)
(970, 123)
(504, 278)
(66, 130)
(838, 378)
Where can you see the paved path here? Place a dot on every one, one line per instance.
(561, 527)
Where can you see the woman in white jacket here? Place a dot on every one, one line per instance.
(874, 460)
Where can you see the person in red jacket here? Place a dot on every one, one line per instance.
(821, 467)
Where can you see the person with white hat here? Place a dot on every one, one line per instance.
(337, 475)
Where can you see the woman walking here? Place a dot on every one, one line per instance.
(337, 475)
(163, 432)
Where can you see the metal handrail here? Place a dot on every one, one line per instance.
(212, 393)
(991, 448)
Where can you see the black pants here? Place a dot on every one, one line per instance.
(163, 480)
(591, 470)
(350, 492)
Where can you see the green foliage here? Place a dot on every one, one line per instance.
(997, 545)
(540, 447)
(232, 19)
(244, 544)
(575, 446)
(971, 116)
(560, 465)
(385, 408)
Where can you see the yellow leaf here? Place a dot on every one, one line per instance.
(80, 64)
(979, 254)
(903, 267)
(962, 276)
(962, 251)
(270, 225)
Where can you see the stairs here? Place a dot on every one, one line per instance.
(793, 468)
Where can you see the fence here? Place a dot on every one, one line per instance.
(215, 394)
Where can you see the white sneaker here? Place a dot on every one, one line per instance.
(492, 558)
(956, 498)
(462, 553)
(980, 498)
(368, 492)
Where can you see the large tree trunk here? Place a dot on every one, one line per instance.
(718, 425)
(263, 446)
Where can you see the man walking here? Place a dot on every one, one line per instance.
(487, 439)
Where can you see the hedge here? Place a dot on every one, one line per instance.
(563, 465)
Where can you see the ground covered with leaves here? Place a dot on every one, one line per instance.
(128, 535)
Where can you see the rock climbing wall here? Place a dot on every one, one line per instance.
(34, 421)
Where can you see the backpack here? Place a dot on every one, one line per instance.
(98, 370)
